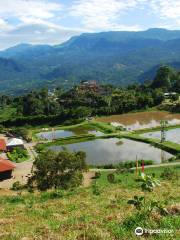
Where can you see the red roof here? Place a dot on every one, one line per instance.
(2, 145)
(6, 165)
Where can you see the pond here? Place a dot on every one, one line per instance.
(140, 120)
(172, 135)
(114, 150)
(50, 135)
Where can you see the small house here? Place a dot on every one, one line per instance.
(3, 145)
(6, 168)
(169, 94)
(14, 143)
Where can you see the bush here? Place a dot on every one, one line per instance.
(111, 178)
(131, 164)
(97, 175)
(17, 186)
(18, 155)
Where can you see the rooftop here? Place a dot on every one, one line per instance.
(15, 142)
(6, 165)
(2, 144)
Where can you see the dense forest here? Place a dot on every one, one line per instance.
(90, 99)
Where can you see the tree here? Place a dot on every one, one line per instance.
(165, 76)
(58, 170)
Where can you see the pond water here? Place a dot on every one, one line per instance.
(114, 150)
(66, 133)
(172, 135)
(140, 120)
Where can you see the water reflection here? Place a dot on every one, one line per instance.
(113, 151)
(134, 121)
(65, 133)
(172, 135)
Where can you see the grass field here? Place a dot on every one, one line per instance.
(97, 212)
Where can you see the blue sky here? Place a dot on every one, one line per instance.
(55, 21)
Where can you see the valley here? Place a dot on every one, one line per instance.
(90, 160)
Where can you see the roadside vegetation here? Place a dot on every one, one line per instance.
(18, 155)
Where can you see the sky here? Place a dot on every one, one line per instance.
(55, 21)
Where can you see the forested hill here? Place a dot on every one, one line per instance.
(119, 58)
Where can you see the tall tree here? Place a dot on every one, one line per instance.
(58, 170)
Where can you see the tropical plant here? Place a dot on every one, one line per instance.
(149, 182)
(138, 202)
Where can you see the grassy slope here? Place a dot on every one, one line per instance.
(79, 214)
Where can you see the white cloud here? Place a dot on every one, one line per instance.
(32, 22)
(40, 21)
(29, 8)
(4, 25)
(36, 34)
(108, 14)
(168, 11)
(103, 14)
(167, 8)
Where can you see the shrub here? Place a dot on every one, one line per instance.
(18, 155)
(97, 175)
(132, 164)
(17, 186)
(111, 178)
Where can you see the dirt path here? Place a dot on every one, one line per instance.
(88, 177)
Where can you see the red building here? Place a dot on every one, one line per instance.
(3, 145)
(6, 168)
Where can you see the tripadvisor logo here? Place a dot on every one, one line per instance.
(139, 231)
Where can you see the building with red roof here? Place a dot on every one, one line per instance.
(2, 145)
(6, 168)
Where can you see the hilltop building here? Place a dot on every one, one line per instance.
(89, 86)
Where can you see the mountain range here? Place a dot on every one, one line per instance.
(119, 58)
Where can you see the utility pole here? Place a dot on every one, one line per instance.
(163, 131)
(163, 138)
